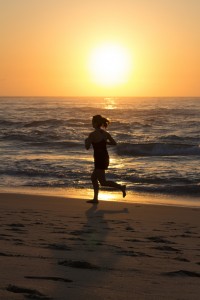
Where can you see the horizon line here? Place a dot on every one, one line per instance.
(105, 96)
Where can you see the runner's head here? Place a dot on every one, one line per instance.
(98, 121)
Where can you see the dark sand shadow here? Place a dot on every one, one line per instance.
(98, 226)
(93, 236)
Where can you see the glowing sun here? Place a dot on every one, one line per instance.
(110, 64)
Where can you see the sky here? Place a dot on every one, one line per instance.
(48, 48)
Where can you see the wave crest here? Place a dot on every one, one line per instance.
(157, 149)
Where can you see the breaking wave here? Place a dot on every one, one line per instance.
(157, 149)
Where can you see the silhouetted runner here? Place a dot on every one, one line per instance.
(99, 139)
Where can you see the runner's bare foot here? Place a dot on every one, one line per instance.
(93, 201)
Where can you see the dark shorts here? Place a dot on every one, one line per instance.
(101, 164)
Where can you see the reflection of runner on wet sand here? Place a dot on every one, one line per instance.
(97, 225)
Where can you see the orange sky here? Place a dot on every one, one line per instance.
(46, 46)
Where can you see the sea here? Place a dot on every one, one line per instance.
(157, 152)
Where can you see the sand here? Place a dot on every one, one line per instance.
(58, 248)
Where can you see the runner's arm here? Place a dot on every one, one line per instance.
(88, 142)
(110, 140)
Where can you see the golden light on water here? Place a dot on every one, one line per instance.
(110, 64)
(110, 103)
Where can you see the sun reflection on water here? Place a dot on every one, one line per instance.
(110, 103)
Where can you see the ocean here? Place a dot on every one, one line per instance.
(158, 150)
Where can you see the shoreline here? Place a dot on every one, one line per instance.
(109, 196)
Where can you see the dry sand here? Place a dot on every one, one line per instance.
(58, 248)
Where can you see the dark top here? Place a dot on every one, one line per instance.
(101, 157)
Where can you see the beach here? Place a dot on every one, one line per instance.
(64, 248)
(100, 150)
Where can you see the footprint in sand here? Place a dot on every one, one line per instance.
(55, 246)
(182, 273)
(167, 249)
(79, 264)
(182, 259)
(159, 239)
(28, 293)
(49, 278)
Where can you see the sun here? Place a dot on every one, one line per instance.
(109, 64)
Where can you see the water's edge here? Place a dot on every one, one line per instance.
(86, 194)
